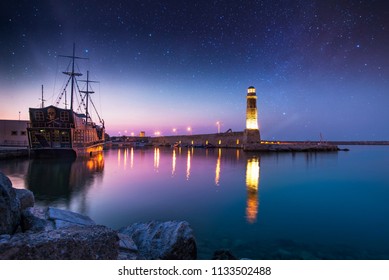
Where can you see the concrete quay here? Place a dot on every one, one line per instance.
(13, 152)
(292, 147)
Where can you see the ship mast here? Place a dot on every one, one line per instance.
(72, 74)
(43, 100)
(87, 92)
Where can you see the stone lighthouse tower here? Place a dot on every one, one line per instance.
(251, 133)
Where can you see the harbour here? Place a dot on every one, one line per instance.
(259, 206)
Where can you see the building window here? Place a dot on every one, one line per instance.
(220, 142)
(237, 142)
(14, 133)
(39, 117)
(64, 116)
(23, 133)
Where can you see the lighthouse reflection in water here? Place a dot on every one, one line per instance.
(252, 183)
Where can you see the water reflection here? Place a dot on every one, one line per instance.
(174, 162)
(188, 165)
(228, 216)
(252, 183)
(132, 157)
(156, 158)
(56, 180)
(217, 171)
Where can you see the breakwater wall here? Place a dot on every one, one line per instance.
(222, 140)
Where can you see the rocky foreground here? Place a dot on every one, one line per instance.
(28, 232)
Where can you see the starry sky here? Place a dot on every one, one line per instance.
(319, 67)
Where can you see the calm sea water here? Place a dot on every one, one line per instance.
(268, 206)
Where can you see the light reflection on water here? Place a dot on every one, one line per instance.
(282, 206)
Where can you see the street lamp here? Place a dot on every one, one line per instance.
(218, 126)
(189, 129)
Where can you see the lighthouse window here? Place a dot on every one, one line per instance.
(64, 116)
(39, 116)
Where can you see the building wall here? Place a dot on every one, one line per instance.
(13, 133)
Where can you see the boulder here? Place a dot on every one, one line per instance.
(64, 218)
(35, 219)
(71, 243)
(38, 219)
(9, 207)
(173, 240)
(25, 197)
(127, 248)
(223, 255)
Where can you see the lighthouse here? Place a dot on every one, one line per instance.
(251, 111)
(251, 133)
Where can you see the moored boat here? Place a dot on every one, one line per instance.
(62, 132)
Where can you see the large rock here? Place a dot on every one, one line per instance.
(65, 218)
(9, 207)
(71, 243)
(37, 219)
(25, 197)
(171, 240)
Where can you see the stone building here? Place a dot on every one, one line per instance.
(13, 133)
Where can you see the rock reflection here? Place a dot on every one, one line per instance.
(252, 184)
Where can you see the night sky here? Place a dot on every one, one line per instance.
(319, 67)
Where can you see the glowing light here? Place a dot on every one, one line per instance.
(252, 183)
(119, 157)
(251, 111)
(174, 130)
(218, 126)
(220, 142)
(157, 133)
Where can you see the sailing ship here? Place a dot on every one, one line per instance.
(63, 132)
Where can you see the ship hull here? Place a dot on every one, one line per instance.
(68, 152)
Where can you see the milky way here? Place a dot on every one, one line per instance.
(319, 67)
